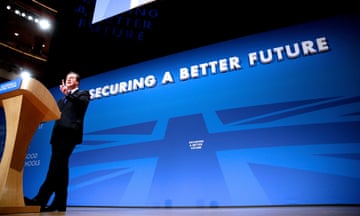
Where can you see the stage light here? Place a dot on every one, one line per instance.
(44, 24)
(25, 74)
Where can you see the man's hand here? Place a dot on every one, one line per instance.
(63, 88)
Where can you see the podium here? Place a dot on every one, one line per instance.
(26, 103)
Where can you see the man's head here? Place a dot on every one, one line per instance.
(72, 80)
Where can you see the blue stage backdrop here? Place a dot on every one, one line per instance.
(267, 119)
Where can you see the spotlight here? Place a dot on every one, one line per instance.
(25, 74)
(44, 24)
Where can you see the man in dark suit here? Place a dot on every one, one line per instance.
(67, 133)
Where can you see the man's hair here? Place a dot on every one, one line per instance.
(76, 74)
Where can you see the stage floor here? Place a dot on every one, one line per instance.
(241, 211)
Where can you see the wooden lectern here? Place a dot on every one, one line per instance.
(26, 103)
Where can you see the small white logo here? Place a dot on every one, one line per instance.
(32, 160)
(196, 144)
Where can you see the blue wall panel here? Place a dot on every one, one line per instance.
(280, 132)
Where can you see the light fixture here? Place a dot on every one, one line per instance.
(44, 24)
(25, 74)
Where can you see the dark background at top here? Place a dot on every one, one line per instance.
(179, 26)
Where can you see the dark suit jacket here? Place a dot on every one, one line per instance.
(69, 128)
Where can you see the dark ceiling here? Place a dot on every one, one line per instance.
(157, 29)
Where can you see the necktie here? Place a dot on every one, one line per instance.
(65, 100)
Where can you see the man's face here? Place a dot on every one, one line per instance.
(71, 81)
